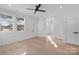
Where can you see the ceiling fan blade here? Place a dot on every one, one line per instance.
(39, 5)
(42, 10)
(30, 9)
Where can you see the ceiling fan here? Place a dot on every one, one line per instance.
(37, 8)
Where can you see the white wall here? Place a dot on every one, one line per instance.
(59, 27)
(41, 27)
(59, 24)
(54, 25)
(9, 37)
(35, 26)
(50, 25)
(46, 26)
(30, 29)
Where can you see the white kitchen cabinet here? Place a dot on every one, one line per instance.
(72, 31)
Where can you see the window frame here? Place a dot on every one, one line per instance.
(14, 25)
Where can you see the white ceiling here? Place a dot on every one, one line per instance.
(52, 9)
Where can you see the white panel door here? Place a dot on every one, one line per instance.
(70, 31)
(50, 25)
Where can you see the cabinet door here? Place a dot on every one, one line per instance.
(70, 31)
(77, 30)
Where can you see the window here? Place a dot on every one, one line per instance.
(20, 24)
(6, 23)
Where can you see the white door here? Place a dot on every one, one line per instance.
(70, 31)
(50, 26)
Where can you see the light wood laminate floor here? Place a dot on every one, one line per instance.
(39, 46)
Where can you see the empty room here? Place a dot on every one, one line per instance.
(39, 29)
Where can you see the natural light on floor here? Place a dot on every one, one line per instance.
(52, 42)
(24, 53)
